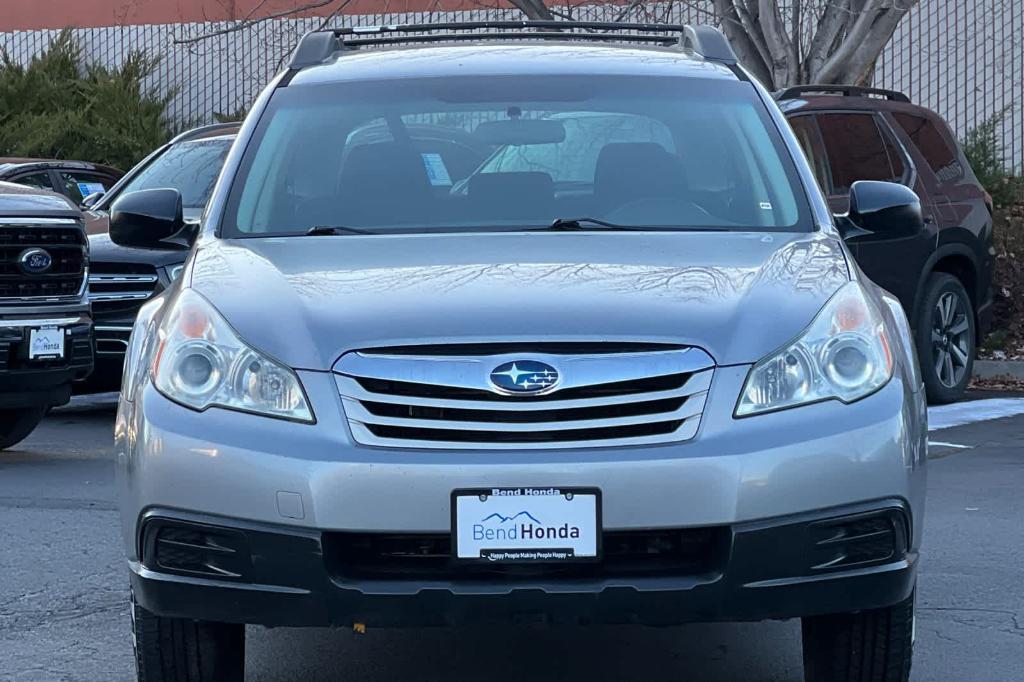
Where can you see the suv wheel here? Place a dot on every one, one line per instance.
(869, 646)
(182, 650)
(16, 425)
(945, 338)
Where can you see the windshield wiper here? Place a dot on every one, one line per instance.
(568, 224)
(335, 229)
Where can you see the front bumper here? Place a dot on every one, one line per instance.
(31, 383)
(763, 570)
(292, 489)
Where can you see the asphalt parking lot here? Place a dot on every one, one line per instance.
(63, 597)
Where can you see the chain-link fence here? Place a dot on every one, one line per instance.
(963, 58)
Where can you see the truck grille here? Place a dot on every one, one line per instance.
(119, 287)
(117, 291)
(65, 244)
(446, 401)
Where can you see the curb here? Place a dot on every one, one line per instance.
(999, 369)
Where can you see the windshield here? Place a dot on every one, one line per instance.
(189, 167)
(472, 153)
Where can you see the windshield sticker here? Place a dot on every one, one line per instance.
(436, 170)
(766, 206)
(87, 188)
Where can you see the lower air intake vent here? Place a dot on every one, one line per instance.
(195, 549)
(625, 554)
(859, 540)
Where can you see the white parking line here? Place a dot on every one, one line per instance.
(958, 414)
(940, 444)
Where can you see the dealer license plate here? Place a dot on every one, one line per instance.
(46, 343)
(547, 525)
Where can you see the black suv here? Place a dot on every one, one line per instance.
(121, 279)
(45, 326)
(943, 275)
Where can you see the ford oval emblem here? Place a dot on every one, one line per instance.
(524, 377)
(35, 261)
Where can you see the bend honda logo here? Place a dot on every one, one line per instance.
(524, 377)
(35, 261)
(521, 526)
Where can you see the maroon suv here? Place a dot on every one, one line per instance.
(943, 275)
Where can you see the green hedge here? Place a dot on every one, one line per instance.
(61, 107)
(986, 152)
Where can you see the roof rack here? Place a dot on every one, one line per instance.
(703, 41)
(206, 130)
(845, 90)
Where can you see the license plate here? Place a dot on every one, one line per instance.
(46, 343)
(546, 525)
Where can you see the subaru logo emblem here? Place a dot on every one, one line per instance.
(524, 377)
(35, 261)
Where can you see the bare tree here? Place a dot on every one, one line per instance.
(810, 41)
(784, 42)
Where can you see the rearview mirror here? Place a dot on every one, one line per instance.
(881, 207)
(520, 131)
(150, 219)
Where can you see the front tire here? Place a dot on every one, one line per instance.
(16, 425)
(869, 646)
(945, 337)
(182, 650)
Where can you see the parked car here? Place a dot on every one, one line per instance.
(651, 393)
(942, 275)
(45, 326)
(74, 179)
(122, 279)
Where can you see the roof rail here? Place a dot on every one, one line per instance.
(204, 131)
(845, 90)
(703, 41)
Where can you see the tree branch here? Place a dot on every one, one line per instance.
(744, 42)
(863, 36)
(830, 26)
(249, 22)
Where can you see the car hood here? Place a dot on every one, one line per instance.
(308, 300)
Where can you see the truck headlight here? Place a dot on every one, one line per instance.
(845, 354)
(201, 362)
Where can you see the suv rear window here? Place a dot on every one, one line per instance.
(650, 152)
(926, 136)
(857, 150)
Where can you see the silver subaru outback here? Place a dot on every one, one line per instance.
(523, 324)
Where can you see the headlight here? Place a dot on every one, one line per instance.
(845, 354)
(200, 362)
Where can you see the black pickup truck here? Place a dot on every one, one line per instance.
(45, 322)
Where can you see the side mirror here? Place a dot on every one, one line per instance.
(91, 200)
(881, 207)
(151, 219)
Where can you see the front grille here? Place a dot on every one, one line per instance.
(113, 286)
(64, 242)
(624, 554)
(444, 401)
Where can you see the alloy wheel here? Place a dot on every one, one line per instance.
(951, 339)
